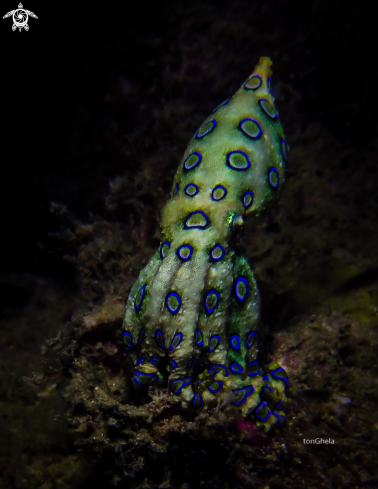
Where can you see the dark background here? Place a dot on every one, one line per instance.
(62, 141)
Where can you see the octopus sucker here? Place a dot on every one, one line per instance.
(192, 317)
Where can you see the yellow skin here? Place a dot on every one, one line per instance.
(193, 313)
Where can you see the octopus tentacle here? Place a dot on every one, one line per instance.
(192, 316)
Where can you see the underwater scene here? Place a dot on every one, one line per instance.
(189, 266)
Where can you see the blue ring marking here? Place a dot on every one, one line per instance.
(140, 361)
(248, 134)
(223, 103)
(138, 375)
(214, 391)
(279, 404)
(262, 405)
(267, 387)
(155, 361)
(177, 339)
(266, 379)
(284, 149)
(217, 339)
(194, 400)
(251, 338)
(143, 291)
(141, 336)
(162, 255)
(279, 416)
(272, 171)
(244, 281)
(222, 250)
(173, 362)
(128, 340)
(266, 107)
(191, 363)
(181, 248)
(170, 309)
(213, 124)
(216, 188)
(252, 374)
(235, 341)
(274, 374)
(229, 163)
(247, 194)
(199, 337)
(253, 87)
(217, 367)
(175, 192)
(198, 226)
(247, 392)
(196, 190)
(199, 158)
(159, 338)
(185, 382)
(236, 368)
(208, 309)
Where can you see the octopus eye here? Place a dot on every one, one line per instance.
(197, 219)
(128, 340)
(262, 412)
(241, 289)
(159, 338)
(197, 400)
(206, 128)
(253, 83)
(280, 374)
(274, 177)
(214, 342)
(199, 337)
(212, 301)
(176, 341)
(284, 149)
(248, 199)
(235, 341)
(236, 368)
(251, 338)
(193, 160)
(139, 297)
(165, 247)
(191, 189)
(250, 128)
(238, 160)
(185, 252)
(243, 394)
(216, 386)
(218, 252)
(268, 108)
(173, 302)
(219, 192)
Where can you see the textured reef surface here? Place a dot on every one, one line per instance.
(194, 311)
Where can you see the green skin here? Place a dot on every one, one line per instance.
(191, 317)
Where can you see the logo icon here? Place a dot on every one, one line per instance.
(20, 17)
